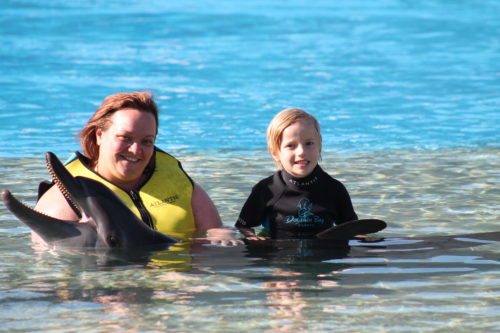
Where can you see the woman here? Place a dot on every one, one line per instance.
(119, 151)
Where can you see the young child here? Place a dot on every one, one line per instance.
(300, 199)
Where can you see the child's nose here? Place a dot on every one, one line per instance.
(299, 150)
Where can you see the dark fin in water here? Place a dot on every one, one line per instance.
(348, 230)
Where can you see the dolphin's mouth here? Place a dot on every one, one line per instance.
(54, 168)
(12, 202)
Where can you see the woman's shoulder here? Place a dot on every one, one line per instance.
(53, 203)
(163, 159)
(160, 153)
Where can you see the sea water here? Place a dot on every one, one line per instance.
(407, 94)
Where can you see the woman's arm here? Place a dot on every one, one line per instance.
(205, 213)
(54, 204)
(207, 219)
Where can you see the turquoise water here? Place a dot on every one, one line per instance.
(408, 97)
(390, 75)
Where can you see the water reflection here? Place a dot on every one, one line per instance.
(284, 286)
(287, 303)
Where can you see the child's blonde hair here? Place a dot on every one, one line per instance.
(280, 122)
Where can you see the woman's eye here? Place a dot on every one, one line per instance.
(124, 138)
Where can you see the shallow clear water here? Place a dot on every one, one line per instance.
(208, 288)
(407, 94)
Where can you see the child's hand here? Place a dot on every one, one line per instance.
(250, 235)
(255, 237)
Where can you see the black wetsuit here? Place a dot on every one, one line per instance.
(289, 207)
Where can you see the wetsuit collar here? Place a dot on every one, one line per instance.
(307, 181)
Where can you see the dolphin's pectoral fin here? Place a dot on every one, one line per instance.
(50, 229)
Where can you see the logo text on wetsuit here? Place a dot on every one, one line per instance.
(305, 214)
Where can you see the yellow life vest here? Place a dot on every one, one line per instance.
(165, 198)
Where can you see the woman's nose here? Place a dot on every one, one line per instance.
(135, 146)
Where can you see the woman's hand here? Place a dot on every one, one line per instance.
(223, 237)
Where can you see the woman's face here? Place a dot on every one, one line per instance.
(126, 147)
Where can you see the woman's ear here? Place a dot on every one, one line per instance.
(98, 135)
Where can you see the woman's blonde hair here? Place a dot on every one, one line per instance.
(281, 121)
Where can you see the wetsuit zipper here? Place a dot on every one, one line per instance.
(145, 216)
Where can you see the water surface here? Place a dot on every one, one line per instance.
(207, 288)
(407, 94)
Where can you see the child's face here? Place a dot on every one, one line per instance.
(299, 151)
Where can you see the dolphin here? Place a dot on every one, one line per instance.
(111, 223)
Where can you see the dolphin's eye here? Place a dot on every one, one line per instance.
(112, 241)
